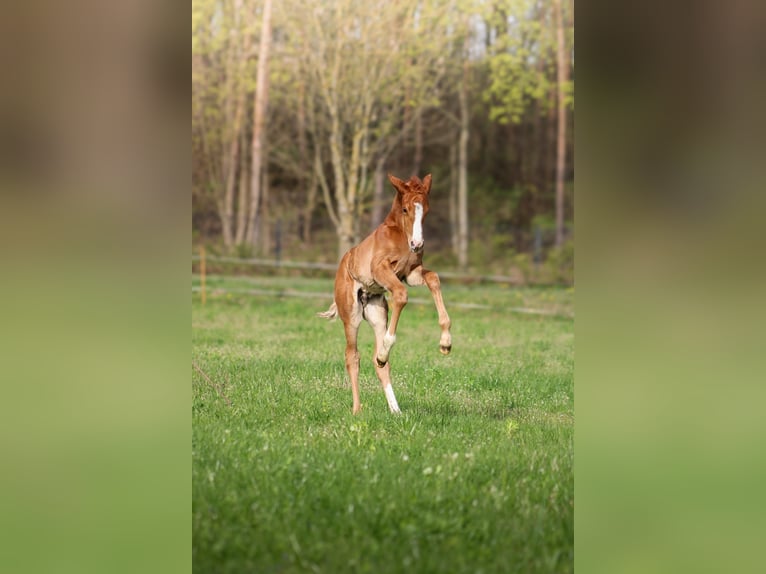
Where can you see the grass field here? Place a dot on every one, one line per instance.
(476, 475)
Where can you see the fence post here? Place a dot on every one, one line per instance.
(202, 272)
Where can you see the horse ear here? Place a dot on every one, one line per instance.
(427, 183)
(397, 183)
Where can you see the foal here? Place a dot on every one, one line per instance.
(391, 254)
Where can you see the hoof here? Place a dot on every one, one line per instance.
(445, 349)
(379, 363)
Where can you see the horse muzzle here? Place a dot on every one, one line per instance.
(416, 246)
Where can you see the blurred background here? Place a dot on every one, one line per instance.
(94, 178)
(300, 109)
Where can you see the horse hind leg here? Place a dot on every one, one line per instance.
(352, 364)
(376, 313)
(350, 312)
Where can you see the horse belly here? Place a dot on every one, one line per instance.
(370, 287)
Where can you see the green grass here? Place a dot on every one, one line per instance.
(476, 475)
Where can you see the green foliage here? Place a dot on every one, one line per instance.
(442, 260)
(545, 221)
(522, 65)
(244, 250)
(491, 203)
(513, 85)
(560, 262)
(523, 263)
(476, 474)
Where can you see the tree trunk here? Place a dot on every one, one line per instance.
(453, 197)
(226, 207)
(345, 231)
(418, 144)
(344, 226)
(538, 143)
(308, 212)
(561, 141)
(346, 214)
(355, 181)
(265, 215)
(378, 199)
(462, 191)
(259, 116)
(230, 173)
(234, 126)
(363, 188)
(228, 144)
(541, 178)
(242, 210)
(309, 181)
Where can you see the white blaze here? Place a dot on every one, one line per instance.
(417, 227)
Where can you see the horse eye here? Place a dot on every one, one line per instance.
(404, 210)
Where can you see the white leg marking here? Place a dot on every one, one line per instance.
(388, 341)
(391, 399)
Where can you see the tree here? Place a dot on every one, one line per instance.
(359, 60)
(221, 80)
(261, 103)
(462, 184)
(562, 67)
(352, 90)
(214, 73)
(462, 40)
(529, 71)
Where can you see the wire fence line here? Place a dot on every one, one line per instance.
(415, 300)
(269, 262)
(309, 265)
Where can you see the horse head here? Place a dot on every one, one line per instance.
(411, 207)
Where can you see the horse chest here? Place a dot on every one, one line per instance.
(406, 264)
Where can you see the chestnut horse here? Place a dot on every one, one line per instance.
(391, 254)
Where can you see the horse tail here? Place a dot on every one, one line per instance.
(331, 313)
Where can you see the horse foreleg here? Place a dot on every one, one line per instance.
(388, 279)
(431, 279)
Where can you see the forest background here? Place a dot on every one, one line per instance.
(300, 108)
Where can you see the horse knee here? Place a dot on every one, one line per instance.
(400, 297)
(432, 281)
